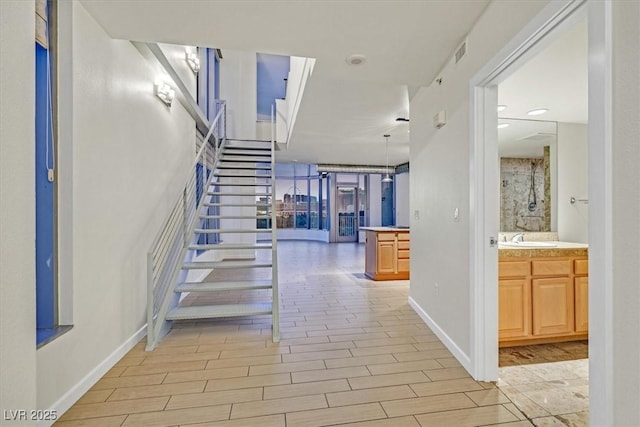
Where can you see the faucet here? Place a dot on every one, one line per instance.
(519, 237)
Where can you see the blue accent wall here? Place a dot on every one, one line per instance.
(271, 72)
(45, 242)
(387, 204)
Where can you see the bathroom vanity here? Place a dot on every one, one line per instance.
(386, 253)
(543, 293)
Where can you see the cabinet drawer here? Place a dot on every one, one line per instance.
(513, 269)
(551, 268)
(403, 236)
(382, 237)
(403, 254)
(581, 267)
(403, 265)
(404, 244)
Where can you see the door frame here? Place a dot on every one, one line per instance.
(484, 180)
(340, 239)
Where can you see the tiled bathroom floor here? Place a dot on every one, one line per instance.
(353, 352)
(549, 394)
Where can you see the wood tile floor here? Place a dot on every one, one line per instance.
(352, 353)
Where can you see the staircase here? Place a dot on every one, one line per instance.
(232, 203)
(241, 165)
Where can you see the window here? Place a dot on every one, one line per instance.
(314, 197)
(301, 197)
(285, 206)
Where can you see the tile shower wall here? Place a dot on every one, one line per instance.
(517, 211)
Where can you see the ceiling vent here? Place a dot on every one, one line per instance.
(461, 51)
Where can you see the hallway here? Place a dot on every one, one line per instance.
(352, 351)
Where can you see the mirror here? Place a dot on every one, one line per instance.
(528, 181)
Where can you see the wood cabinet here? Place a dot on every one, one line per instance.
(515, 308)
(542, 299)
(581, 292)
(387, 254)
(552, 306)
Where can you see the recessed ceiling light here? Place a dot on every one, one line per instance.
(356, 59)
(501, 108)
(538, 112)
(503, 125)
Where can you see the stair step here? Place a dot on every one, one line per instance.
(214, 311)
(235, 216)
(223, 286)
(243, 184)
(238, 167)
(259, 205)
(229, 246)
(215, 193)
(245, 157)
(230, 175)
(231, 230)
(249, 148)
(245, 152)
(208, 265)
(232, 159)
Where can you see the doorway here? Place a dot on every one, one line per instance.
(346, 204)
(485, 179)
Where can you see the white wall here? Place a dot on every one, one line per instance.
(402, 199)
(439, 180)
(625, 393)
(17, 216)
(130, 154)
(573, 181)
(238, 86)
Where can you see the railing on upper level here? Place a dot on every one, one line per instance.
(165, 256)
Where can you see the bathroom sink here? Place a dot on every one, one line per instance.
(529, 244)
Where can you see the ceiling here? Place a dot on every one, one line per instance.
(525, 138)
(345, 109)
(555, 79)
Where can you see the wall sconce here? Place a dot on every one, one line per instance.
(165, 92)
(193, 61)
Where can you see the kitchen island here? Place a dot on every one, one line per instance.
(386, 253)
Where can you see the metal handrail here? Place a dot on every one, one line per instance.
(169, 247)
(275, 304)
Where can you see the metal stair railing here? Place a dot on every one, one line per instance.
(169, 248)
(275, 305)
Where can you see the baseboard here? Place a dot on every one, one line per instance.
(460, 355)
(72, 396)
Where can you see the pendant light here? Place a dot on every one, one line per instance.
(387, 177)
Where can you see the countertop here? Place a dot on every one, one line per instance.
(383, 229)
(561, 249)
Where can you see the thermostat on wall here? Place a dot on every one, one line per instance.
(440, 119)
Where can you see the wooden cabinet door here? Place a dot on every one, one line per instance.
(387, 256)
(581, 290)
(514, 316)
(552, 306)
